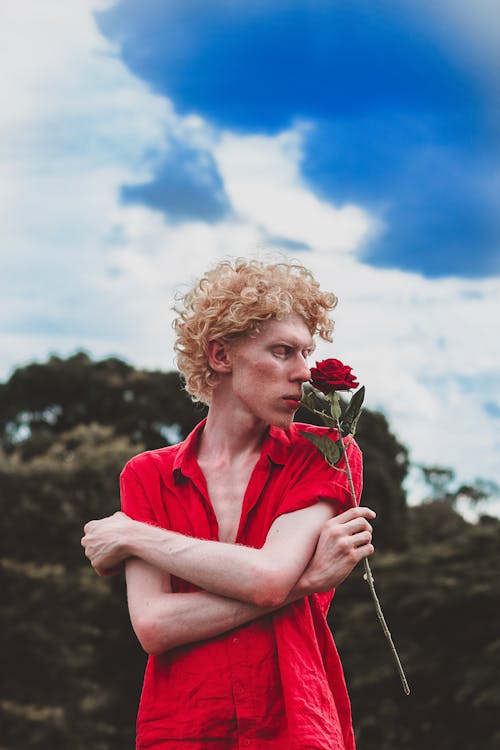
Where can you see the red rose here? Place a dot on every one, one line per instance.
(332, 375)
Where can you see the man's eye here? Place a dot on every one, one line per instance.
(280, 351)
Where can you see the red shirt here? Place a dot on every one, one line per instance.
(276, 682)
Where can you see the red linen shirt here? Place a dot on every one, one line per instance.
(276, 682)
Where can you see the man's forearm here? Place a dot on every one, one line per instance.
(263, 577)
(228, 570)
(178, 619)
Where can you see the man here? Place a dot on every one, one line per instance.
(234, 539)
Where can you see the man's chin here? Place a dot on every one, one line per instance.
(283, 421)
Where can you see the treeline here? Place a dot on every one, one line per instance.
(71, 666)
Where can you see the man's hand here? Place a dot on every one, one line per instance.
(343, 542)
(105, 542)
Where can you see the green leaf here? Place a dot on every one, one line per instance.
(330, 449)
(354, 424)
(353, 411)
(314, 397)
(328, 421)
(317, 403)
(308, 398)
(335, 408)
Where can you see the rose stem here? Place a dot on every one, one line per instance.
(369, 578)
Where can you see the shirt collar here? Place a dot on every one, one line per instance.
(276, 447)
(185, 463)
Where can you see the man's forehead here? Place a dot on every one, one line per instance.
(293, 328)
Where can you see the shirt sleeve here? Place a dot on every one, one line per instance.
(319, 481)
(134, 500)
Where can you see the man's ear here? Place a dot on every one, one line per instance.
(219, 356)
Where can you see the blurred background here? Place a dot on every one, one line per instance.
(143, 141)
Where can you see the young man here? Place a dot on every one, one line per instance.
(235, 539)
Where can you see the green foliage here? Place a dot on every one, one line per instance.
(441, 601)
(353, 412)
(437, 479)
(434, 521)
(385, 466)
(40, 401)
(73, 662)
(441, 485)
(330, 449)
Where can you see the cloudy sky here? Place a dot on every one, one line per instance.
(142, 140)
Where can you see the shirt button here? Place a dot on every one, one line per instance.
(240, 691)
(246, 742)
(236, 640)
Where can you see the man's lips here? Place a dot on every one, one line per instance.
(295, 400)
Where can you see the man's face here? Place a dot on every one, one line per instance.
(268, 369)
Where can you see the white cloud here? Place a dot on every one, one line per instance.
(262, 179)
(74, 125)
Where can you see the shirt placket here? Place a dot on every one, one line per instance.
(239, 644)
(242, 690)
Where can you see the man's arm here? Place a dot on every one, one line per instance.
(163, 620)
(263, 577)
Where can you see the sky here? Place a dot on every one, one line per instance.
(143, 141)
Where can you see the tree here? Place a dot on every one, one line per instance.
(386, 463)
(441, 600)
(438, 517)
(41, 401)
(73, 663)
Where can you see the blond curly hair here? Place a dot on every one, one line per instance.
(232, 300)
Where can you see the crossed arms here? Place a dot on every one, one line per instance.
(305, 552)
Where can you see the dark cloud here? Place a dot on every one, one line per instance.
(400, 129)
(186, 186)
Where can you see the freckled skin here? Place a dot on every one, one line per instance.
(269, 366)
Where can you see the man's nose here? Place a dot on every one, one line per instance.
(302, 370)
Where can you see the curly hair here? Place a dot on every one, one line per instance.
(232, 300)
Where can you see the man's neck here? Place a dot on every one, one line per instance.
(229, 434)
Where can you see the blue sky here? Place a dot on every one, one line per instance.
(400, 123)
(142, 141)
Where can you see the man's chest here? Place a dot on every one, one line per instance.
(233, 507)
(226, 492)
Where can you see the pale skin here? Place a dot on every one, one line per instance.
(260, 382)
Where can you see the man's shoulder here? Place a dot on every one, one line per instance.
(159, 458)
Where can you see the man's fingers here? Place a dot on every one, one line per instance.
(362, 538)
(88, 526)
(104, 572)
(357, 525)
(112, 571)
(352, 513)
(351, 521)
(364, 551)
